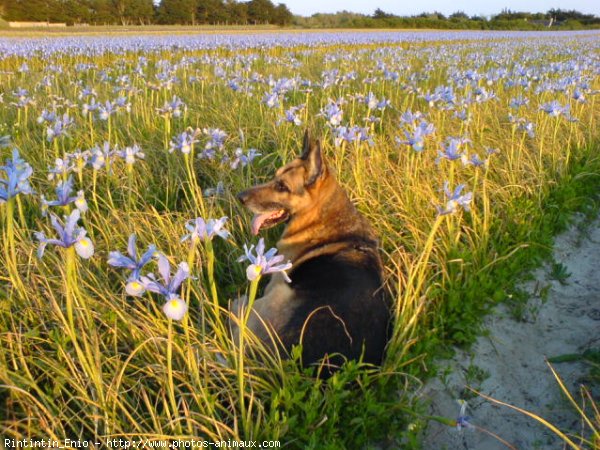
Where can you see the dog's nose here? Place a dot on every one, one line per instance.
(242, 197)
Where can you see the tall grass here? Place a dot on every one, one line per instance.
(80, 358)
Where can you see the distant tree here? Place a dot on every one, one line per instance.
(260, 11)
(141, 11)
(133, 11)
(31, 10)
(237, 12)
(71, 12)
(458, 15)
(561, 15)
(177, 11)
(381, 14)
(282, 16)
(212, 11)
(507, 14)
(3, 8)
(120, 8)
(434, 15)
(101, 12)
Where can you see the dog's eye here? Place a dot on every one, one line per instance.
(281, 187)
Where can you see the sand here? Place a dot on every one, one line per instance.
(509, 362)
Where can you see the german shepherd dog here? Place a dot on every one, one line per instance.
(335, 304)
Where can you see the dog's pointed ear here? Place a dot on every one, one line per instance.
(305, 145)
(313, 155)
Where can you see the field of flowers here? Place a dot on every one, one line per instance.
(122, 241)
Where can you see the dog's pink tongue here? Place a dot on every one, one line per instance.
(257, 221)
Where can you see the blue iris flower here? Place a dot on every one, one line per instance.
(169, 285)
(184, 141)
(205, 230)
(64, 197)
(132, 262)
(264, 263)
(455, 199)
(452, 150)
(68, 235)
(17, 173)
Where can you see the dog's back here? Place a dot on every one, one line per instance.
(339, 307)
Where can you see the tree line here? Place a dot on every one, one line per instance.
(505, 20)
(255, 12)
(143, 12)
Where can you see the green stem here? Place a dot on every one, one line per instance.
(10, 248)
(70, 287)
(130, 187)
(171, 384)
(210, 267)
(423, 261)
(94, 182)
(244, 315)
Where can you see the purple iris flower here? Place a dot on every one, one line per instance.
(409, 118)
(475, 160)
(68, 235)
(242, 159)
(371, 101)
(205, 230)
(271, 99)
(518, 101)
(264, 263)
(17, 173)
(352, 134)
(555, 109)
(59, 127)
(184, 141)
(106, 110)
(64, 198)
(291, 116)
(463, 115)
(131, 154)
(455, 199)
(132, 262)
(46, 116)
(579, 96)
(463, 421)
(23, 99)
(431, 98)
(452, 150)
(217, 138)
(101, 155)
(482, 95)
(121, 103)
(528, 127)
(333, 113)
(175, 107)
(416, 139)
(169, 285)
(87, 92)
(90, 107)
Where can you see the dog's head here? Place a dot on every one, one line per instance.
(290, 192)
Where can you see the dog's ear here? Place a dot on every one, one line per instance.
(305, 145)
(313, 155)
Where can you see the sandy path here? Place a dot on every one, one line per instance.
(513, 356)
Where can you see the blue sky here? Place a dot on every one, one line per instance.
(403, 7)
